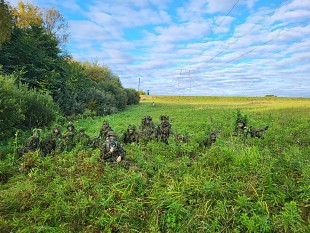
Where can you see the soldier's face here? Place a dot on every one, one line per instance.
(70, 128)
(240, 124)
(112, 138)
(56, 131)
(82, 133)
(213, 137)
(131, 131)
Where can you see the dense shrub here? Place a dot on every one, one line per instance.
(21, 108)
(133, 96)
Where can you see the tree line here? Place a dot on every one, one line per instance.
(39, 80)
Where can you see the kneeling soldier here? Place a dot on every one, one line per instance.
(111, 150)
(131, 135)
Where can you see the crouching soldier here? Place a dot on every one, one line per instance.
(241, 128)
(147, 130)
(96, 142)
(111, 150)
(82, 139)
(31, 144)
(209, 140)
(164, 130)
(67, 144)
(49, 144)
(259, 133)
(131, 136)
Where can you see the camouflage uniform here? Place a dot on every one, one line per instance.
(131, 135)
(241, 129)
(52, 140)
(147, 130)
(82, 139)
(31, 144)
(70, 128)
(209, 140)
(111, 150)
(105, 129)
(259, 133)
(164, 130)
(67, 143)
(96, 142)
(180, 137)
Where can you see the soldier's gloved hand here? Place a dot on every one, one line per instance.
(119, 158)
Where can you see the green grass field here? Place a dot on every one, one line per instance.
(237, 185)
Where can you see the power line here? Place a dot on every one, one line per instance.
(284, 3)
(233, 7)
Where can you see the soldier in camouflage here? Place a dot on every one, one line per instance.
(241, 129)
(182, 137)
(70, 128)
(82, 139)
(131, 136)
(67, 143)
(96, 142)
(32, 143)
(147, 130)
(111, 150)
(52, 140)
(164, 130)
(258, 132)
(209, 140)
(105, 129)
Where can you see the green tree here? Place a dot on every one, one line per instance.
(6, 22)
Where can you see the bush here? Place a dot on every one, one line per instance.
(11, 113)
(21, 108)
(133, 96)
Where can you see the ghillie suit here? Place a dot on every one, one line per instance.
(52, 140)
(96, 143)
(70, 128)
(31, 144)
(82, 139)
(105, 129)
(147, 130)
(180, 138)
(164, 130)
(131, 136)
(241, 128)
(209, 140)
(259, 133)
(111, 150)
(67, 144)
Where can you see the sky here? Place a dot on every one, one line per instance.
(194, 47)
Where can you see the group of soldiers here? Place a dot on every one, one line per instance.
(110, 148)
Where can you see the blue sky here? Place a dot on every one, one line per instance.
(195, 47)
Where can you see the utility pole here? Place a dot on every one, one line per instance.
(139, 85)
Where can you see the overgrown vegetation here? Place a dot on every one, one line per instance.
(32, 50)
(237, 185)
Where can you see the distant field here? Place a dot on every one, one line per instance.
(237, 185)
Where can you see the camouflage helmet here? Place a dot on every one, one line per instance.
(111, 133)
(70, 124)
(36, 132)
(56, 127)
(162, 118)
(132, 127)
(82, 130)
(148, 117)
(105, 122)
(241, 121)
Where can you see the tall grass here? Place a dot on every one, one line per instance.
(237, 185)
